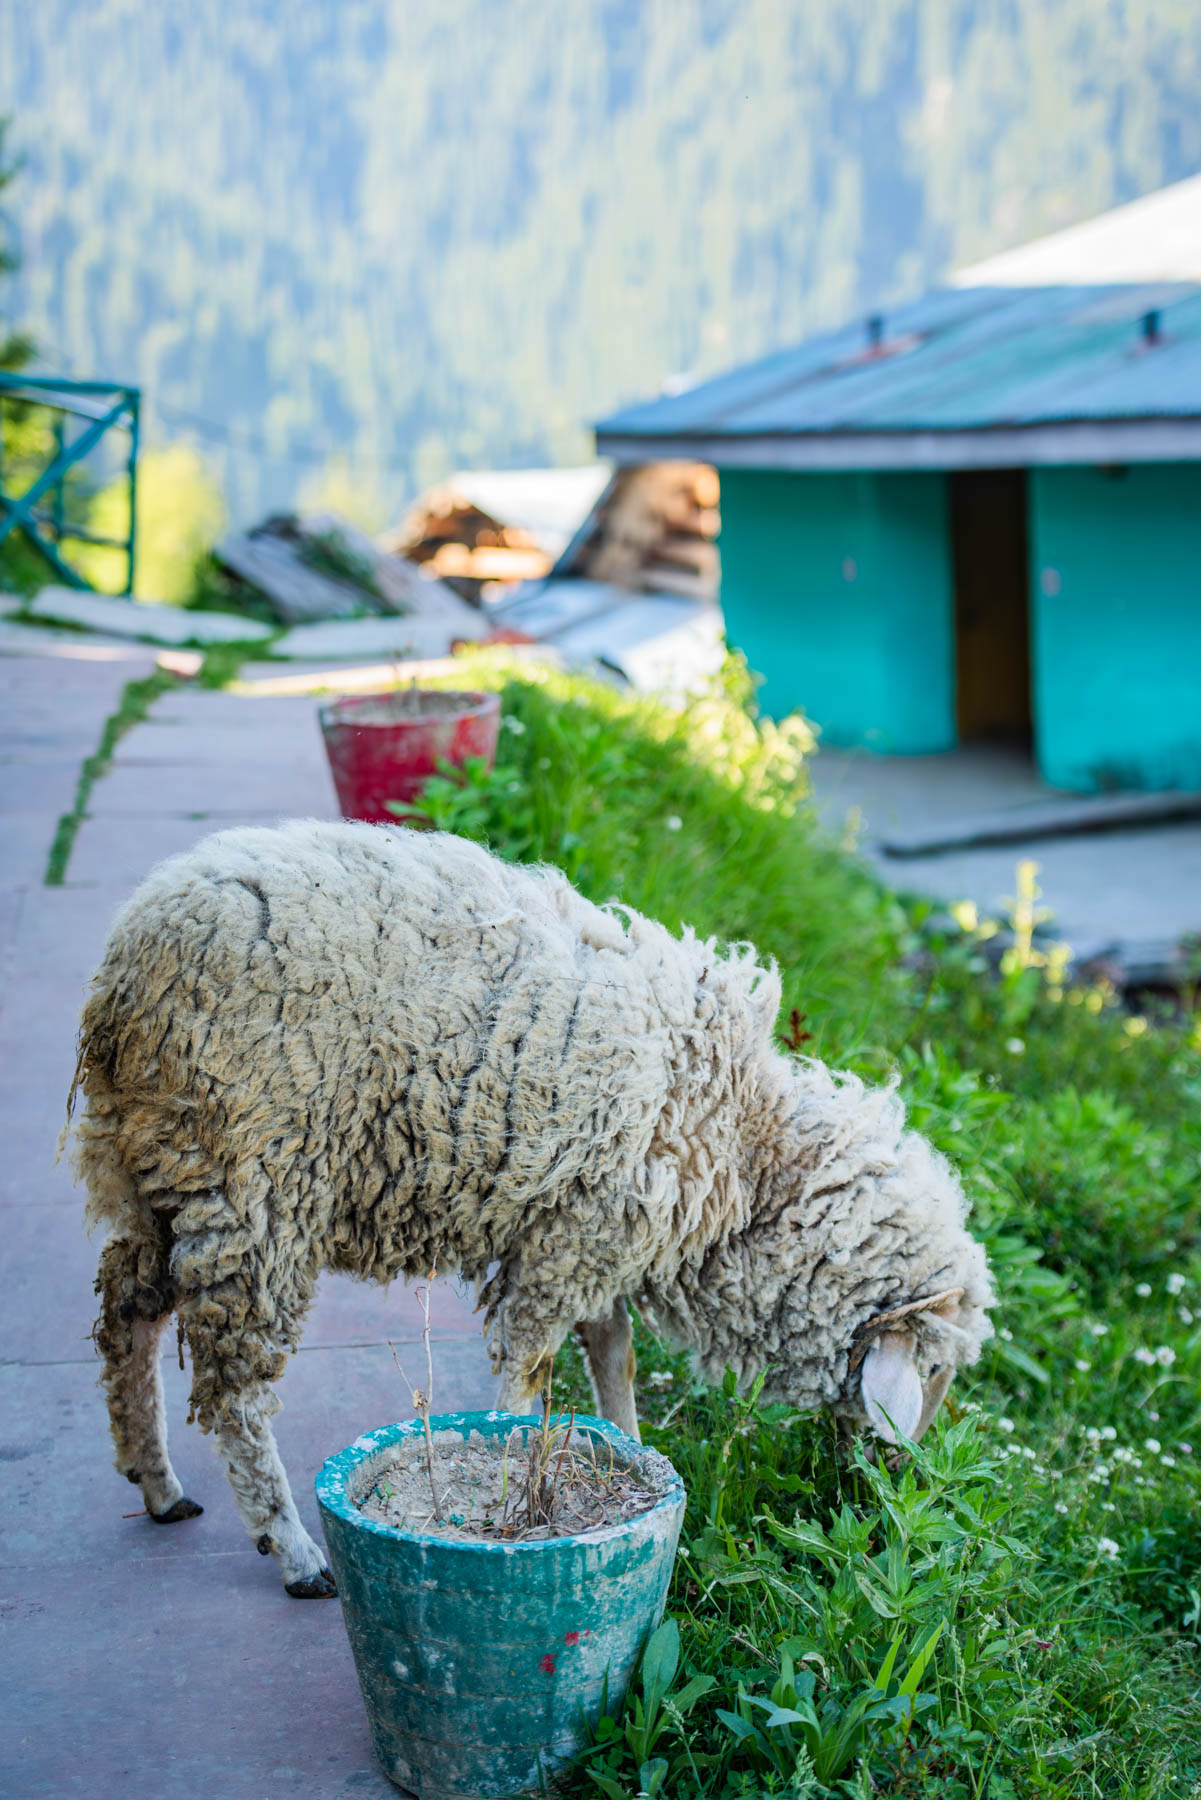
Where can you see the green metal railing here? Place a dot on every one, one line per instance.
(39, 511)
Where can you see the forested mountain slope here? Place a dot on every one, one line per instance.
(413, 235)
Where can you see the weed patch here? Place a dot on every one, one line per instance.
(137, 697)
(220, 666)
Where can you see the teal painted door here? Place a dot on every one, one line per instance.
(837, 587)
(1116, 585)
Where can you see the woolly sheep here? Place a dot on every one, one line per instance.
(375, 1050)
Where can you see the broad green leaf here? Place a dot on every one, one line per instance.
(1017, 1359)
(609, 1787)
(659, 1662)
(691, 1692)
(884, 1672)
(917, 1667)
(651, 1775)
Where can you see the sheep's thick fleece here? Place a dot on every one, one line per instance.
(383, 1051)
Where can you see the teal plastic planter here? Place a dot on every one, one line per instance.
(483, 1664)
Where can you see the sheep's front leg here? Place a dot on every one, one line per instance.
(264, 1498)
(609, 1346)
(532, 1336)
(523, 1378)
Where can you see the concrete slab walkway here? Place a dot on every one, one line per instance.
(1131, 895)
(139, 1662)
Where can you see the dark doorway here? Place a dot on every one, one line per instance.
(992, 605)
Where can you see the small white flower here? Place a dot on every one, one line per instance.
(1108, 1433)
(1004, 1332)
(660, 1378)
(1012, 1449)
(1109, 1506)
(1098, 1329)
(1030, 1455)
(1185, 1449)
(1184, 1315)
(1061, 1508)
(513, 725)
(1154, 1417)
(1092, 1435)
(1098, 1474)
(1143, 1290)
(1140, 1481)
(1122, 1455)
(1151, 1444)
(1165, 1356)
(1004, 1424)
(1177, 1284)
(1107, 1547)
(1083, 1366)
(674, 822)
(1015, 1046)
(1169, 1462)
(1143, 1355)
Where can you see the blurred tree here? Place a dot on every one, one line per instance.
(26, 436)
(354, 494)
(16, 347)
(180, 516)
(428, 237)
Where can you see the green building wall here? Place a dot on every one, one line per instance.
(1115, 595)
(837, 587)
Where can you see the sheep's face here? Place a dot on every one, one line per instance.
(907, 1358)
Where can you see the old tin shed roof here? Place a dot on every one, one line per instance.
(969, 376)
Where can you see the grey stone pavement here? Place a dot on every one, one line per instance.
(149, 1662)
(1133, 893)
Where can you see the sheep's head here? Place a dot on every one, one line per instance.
(906, 1359)
(869, 1291)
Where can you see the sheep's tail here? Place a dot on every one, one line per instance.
(112, 1198)
(81, 1057)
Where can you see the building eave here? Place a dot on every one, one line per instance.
(1078, 441)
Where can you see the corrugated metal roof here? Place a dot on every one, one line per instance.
(961, 359)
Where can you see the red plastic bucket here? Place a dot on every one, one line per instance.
(385, 747)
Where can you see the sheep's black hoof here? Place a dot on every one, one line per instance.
(183, 1509)
(134, 1475)
(314, 1587)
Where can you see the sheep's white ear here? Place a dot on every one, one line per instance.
(891, 1386)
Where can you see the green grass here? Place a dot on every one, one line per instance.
(1018, 1610)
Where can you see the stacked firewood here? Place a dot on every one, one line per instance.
(654, 531)
(449, 536)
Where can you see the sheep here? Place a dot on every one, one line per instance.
(381, 1051)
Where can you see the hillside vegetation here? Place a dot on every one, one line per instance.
(1017, 1610)
(373, 241)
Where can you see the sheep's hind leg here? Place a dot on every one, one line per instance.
(264, 1498)
(129, 1331)
(609, 1346)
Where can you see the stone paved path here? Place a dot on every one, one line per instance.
(1133, 895)
(137, 1661)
